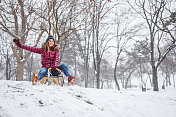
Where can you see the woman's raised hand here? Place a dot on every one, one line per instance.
(17, 42)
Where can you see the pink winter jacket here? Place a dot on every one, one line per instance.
(49, 59)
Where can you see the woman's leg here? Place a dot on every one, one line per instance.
(64, 69)
(42, 73)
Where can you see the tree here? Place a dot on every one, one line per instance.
(123, 34)
(60, 18)
(99, 39)
(7, 61)
(140, 54)
(17, 20)
(106, 74)
(153, 12)
(168, 69)
(125, 70)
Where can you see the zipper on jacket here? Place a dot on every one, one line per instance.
(49, 56)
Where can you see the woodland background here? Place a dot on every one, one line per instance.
(105, 43)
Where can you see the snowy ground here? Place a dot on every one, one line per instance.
(21, 99)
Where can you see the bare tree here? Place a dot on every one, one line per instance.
(125, 71)
(99, 12)
(168, 69)
(153, 12)
(123, 35)
(17, 20)
(141, 56)
(173, 53)
(61, 17)
(7, 61)
(106, 74)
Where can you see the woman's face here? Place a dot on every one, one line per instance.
(51, 42)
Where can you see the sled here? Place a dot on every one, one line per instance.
(59, 80)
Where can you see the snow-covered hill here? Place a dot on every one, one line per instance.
(21, 99)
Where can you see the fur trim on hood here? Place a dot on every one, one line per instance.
(56, 46)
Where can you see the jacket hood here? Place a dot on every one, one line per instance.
(56, 46)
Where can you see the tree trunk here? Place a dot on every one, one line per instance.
(30, 78)
(123, 81)
(102, 84)
(155, 80)
(98, 76)
(63, 46)
(86, 73)
(115, 79)
(168, 79)
(87, 64)
(128, 79)
(20, 71)
(150, 79)
(7, 66)
(173, 80)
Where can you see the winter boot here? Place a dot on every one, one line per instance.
(71, 79)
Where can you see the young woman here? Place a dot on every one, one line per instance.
(50, 58)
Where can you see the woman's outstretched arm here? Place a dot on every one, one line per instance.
(32, 49)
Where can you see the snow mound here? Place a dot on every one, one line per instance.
(21, 99)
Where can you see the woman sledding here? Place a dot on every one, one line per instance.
(50, 58)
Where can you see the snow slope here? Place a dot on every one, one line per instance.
(21, 99)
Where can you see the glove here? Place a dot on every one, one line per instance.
(17, 42)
